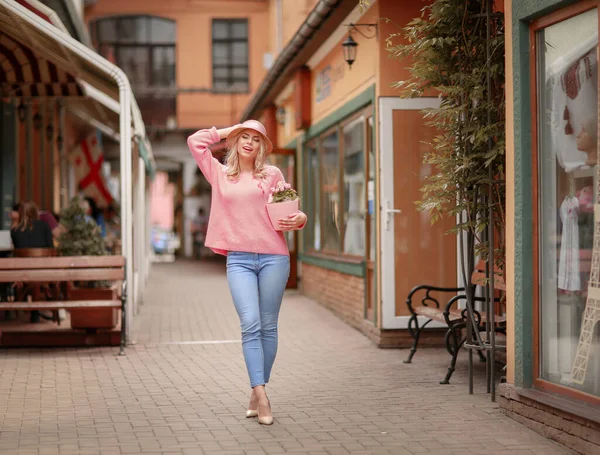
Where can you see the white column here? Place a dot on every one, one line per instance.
(140, 231)
(148, 227)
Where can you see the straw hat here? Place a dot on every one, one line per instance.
(253, 125)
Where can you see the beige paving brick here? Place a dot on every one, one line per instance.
(332, 391)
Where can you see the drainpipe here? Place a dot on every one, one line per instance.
(126, 188)
(122, 81)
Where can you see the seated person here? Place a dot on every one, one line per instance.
(31, 232)
(52, 220)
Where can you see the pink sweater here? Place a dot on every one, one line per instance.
(238, 215)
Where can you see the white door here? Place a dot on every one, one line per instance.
(413, 251)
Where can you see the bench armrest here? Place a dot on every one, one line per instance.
(428, 299)
(458, 297)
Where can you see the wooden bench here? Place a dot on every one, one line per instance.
(63, 270)
(454, 318)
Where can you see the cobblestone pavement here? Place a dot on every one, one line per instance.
(182, 389)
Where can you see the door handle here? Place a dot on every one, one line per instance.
(389, 213)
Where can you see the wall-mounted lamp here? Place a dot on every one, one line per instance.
(350, 46)
(21, 112)
(280, 115)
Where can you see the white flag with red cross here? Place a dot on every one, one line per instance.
(87, 158)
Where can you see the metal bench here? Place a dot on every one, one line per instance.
(66, 269)
(454, 318)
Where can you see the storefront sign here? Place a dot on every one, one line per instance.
(326, 79)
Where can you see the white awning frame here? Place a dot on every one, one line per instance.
(75, 51)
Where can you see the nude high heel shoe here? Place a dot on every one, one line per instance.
(267, 420)
(251, 413)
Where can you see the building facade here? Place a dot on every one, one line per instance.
(552, 224)
(55, 94)
(358, 158)
(193, 64)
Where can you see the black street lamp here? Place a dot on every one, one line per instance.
(350, 46)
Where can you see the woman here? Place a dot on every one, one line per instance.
(258, 263)
(31, 232)
(96, 214)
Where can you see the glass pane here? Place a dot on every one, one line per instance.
(220, 29)
(568, 148)
(221, 73)
(239, 86)
(240, 30)
(134, 61)
(220, 84)
(371, 188)
(162, 31)
(311, 200)
(330, 192)
(220, 54)
(163, 66)
(240, 73)
(239, 52)
(132, 29)
(354, 188)
(106, 30)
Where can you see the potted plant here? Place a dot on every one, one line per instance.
(81, 237)
(283, 201)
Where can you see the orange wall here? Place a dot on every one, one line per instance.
(194, 44)
(393, 69)
(294, 13)
(334, 83)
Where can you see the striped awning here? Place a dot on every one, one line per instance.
(24, 73)
(85, 80)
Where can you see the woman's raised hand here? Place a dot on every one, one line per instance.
(224, 132)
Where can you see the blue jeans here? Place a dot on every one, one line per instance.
(257, 282)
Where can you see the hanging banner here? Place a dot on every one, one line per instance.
(87, 159)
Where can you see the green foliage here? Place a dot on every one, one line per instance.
(283, 192)
(82, 238)
(447, 50)
(287, 195)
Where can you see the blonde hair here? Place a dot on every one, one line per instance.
(232, 160)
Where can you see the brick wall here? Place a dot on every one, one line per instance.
(554, 422)
(343, 294)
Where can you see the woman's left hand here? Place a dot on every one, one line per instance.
(293, 221)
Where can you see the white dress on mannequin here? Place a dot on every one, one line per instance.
(568, 266)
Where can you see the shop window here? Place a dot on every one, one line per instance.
(371, 188)
(336, 190)
(230, 55)
(567, 155)
(311, 202)
(354, 188)
(330, 192)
